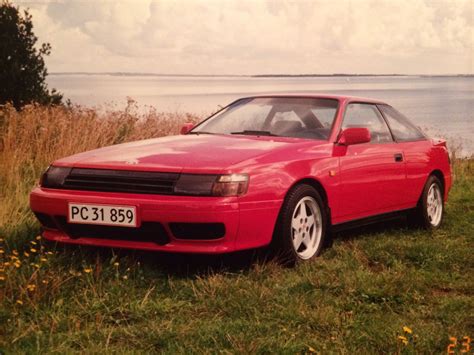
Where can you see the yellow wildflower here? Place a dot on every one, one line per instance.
(49, 253)
(44, 282)
(31, 288)
(38, 237)
(20, 302)
(33, 250)
(87, 270)
(403, 339)
(17, 264)
(15, 252)
(7, 263)
(26, 254)
(125, 277)
(43, 259)
(407, 330)
(2, 251)
(36, 266)
(116, 264)
(33, 242)
(2, 278)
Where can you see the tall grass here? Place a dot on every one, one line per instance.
(34, 137)
(381, 289)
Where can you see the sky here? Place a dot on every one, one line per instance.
(246, 37)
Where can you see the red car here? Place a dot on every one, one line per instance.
(266, 170)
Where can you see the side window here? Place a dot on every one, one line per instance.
(367, 116)
(402, 129)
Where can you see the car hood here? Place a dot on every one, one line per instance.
(186, 153)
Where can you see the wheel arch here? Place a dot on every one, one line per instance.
(439, 174)
(318, 186)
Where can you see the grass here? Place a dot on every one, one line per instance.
(356, 297)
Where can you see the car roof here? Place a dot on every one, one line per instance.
(346, 98)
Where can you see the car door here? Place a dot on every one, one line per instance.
(373, 177)
(415, 148)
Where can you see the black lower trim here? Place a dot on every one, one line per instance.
(198, 231)
(369, 220)
(46, 220)
(153, 232)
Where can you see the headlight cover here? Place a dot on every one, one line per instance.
(54, 177)
(212, 185)
(194, 184)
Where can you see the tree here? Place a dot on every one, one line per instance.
(22, 68)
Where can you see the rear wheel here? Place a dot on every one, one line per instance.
(430, 209)
(301, 227)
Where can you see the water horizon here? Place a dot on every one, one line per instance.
(442, 105)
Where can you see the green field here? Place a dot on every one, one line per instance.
(356, 297)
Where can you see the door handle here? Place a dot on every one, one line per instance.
(398, 157)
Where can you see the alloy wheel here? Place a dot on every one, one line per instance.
(306, 227)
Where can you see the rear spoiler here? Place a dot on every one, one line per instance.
(439, 142)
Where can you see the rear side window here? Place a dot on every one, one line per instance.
(367, 116)
(402, 128)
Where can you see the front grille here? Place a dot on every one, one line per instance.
(148, 231)
(121, 181)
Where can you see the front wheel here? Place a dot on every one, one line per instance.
(301, 227)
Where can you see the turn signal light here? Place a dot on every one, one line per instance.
(231, 185)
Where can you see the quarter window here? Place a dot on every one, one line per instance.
(367, 116)
(402, 129)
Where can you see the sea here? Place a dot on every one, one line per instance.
(443, 106)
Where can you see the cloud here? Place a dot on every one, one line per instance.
(245, 37)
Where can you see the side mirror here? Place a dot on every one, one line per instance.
(351, 136)
(186, 128)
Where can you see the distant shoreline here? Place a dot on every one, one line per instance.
(336, 75)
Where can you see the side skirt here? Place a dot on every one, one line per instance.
(369, 220)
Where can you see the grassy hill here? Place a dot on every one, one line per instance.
(357, 297)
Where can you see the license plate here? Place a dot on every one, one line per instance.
(125, 216)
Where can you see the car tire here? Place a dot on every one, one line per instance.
(430, 209)
(300, 231)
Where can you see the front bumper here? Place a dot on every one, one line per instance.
(246, 226)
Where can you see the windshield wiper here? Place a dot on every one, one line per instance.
(255, 133)
(200, 132)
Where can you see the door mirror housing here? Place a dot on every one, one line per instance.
(186, 128)
(351, 136)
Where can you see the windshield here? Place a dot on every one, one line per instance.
(310, 118)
